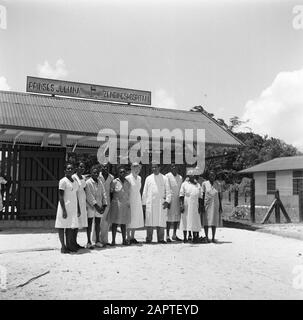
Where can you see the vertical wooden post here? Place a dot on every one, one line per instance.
(301, 204)
(252, 201)
(236, 197)
(277, 207)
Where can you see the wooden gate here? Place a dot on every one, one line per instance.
(39, 173)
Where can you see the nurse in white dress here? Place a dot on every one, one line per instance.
(212, 206)
(191, 201)
(137, 219)
(173, 213)
(82, 220)
(106, 178)
(67, 211)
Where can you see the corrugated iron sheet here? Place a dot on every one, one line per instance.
(85, 117)
(277, 164)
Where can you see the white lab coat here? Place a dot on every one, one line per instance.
(156, 191)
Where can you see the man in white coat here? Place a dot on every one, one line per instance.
(155, 201)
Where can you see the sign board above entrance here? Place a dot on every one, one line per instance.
(87, 91)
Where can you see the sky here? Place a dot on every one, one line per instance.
(235, 58)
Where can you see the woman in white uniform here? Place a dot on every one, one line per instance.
(137, 219)
(82, 220)
(67, 217)
(190, 199)
(173, 213)
(106, 178)
(212, 204)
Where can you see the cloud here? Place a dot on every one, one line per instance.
(278, 111)
(47, 71)
(3, 84)
(161, 99)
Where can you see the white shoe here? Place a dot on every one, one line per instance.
(98, 245)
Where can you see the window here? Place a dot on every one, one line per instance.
(297, 181)
(271, 182)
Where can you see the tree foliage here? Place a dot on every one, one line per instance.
(257, 149)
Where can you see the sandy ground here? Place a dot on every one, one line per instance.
(245, 265)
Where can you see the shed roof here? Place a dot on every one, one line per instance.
(41, 113)
(277, 164)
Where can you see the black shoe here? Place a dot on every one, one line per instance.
(80, 247)
(72, 249)
(64, 250)
(162, 241)
(168, 240)
(126, 243)
(176, 238)
(134, 241)
(148, 241)
(196, 240)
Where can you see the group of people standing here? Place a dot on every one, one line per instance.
(100, 201)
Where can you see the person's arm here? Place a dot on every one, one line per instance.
(144, 197)
(167, 193)
(203, 198)
(61, 198)
(78, 205)
(104, 197)
(90, 197)
(181, 197)
(220, 203)
(201, 204)
(112, 189)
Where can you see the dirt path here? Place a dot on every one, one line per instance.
(247, 265)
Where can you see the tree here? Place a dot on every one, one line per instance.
(256, 148)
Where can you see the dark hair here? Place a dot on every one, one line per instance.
(77, 164)
(121, 166)
(68, 164)
(95, 167)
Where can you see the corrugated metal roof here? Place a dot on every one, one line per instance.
(86, 117)
(277, 164)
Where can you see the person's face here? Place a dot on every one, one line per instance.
(192, 178)
(155, 169)
(174, 170)
(105, 168)
(122, 173)
(212, 176)
(136, 169)
(95, 174)
(69, 170)
(81, 168)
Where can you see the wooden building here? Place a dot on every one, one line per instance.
(36, 132)
(284, 174)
